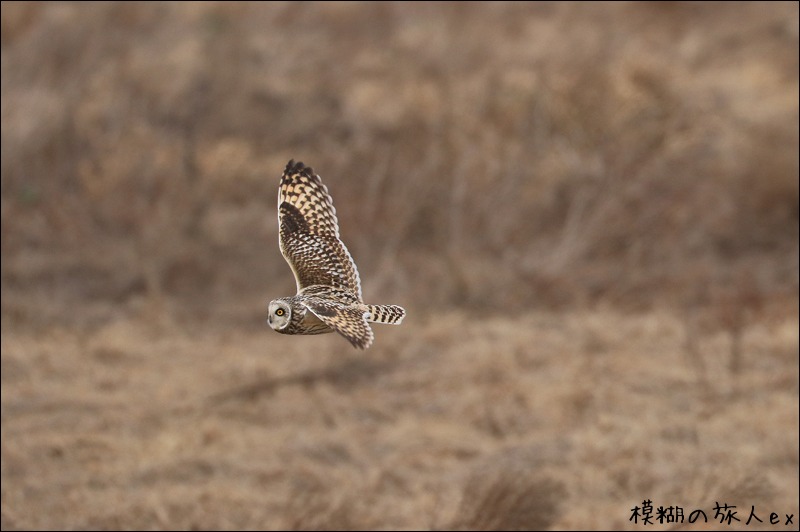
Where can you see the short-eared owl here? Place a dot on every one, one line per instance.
(328, 288)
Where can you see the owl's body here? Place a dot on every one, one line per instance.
(328, 287)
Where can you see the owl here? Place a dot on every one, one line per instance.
(328, 287)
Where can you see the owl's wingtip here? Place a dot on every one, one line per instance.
(298, 167)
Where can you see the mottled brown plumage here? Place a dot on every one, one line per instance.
(328, 287)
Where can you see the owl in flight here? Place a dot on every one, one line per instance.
(328, 288)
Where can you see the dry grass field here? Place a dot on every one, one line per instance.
(589, 211)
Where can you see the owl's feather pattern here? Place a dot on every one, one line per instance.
(328, 287)
(348, 320)
(309, 232)
(386, 314)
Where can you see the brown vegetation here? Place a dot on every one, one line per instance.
(589, 211)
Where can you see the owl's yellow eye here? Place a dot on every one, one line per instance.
(280, 312)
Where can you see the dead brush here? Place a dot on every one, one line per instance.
(730, 309)
(508, 497)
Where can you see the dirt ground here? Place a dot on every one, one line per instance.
(589, 211)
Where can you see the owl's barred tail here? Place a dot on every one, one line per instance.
(391, 314)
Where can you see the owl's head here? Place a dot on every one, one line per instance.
(280, 314)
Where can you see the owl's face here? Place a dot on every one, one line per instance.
(280, 315)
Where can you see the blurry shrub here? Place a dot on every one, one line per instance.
(485, 154)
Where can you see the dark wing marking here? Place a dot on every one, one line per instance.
(348, 320)
(309, 232)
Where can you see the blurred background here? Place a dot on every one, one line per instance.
(589, 211)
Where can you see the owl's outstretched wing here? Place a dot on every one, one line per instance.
(348, 320)
(309, 232)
